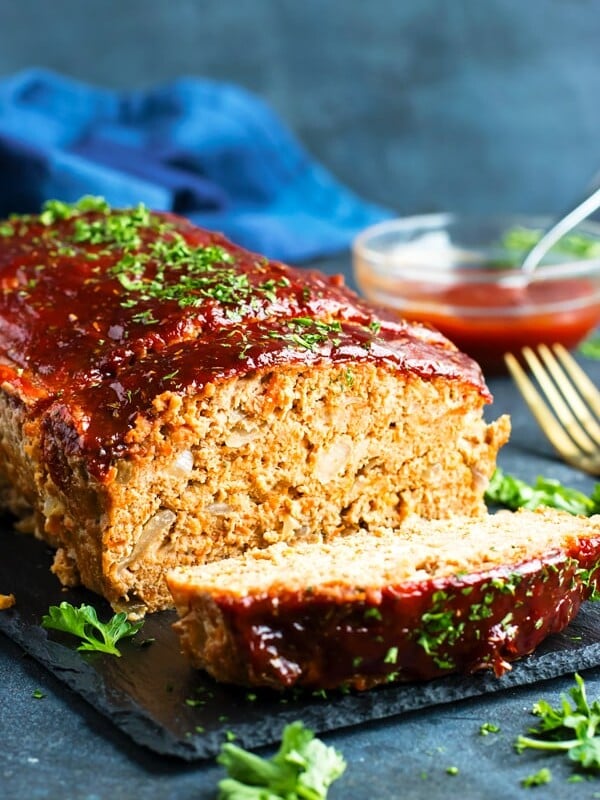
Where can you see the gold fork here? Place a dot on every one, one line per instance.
(573, 428)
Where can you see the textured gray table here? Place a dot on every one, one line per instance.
(58, 747)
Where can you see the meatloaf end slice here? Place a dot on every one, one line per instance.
(432, 598)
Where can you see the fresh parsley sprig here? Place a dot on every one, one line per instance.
(571, 728)
(83, 622)
(302, 769)
(507, 490)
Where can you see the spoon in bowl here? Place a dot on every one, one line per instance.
(560, 228)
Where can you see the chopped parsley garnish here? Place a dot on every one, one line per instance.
(184, 274)
(309, 333)
(193, 702)
(439, 629)
(83, 622)
(56, 210)
(145, 317)
(302, 769)
(269, 287)
(539, 778)
(166, 269)
(147, 261)
(119, 229)
(488, 727)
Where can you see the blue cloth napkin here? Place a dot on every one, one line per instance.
(210, 151)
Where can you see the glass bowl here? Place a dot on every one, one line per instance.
(461, 275)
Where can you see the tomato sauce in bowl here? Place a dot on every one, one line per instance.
(452, 273)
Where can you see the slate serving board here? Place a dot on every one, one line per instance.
(155, 697)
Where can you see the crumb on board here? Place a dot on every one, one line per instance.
(7, 601)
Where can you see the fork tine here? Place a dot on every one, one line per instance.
(581, 380)
(545, 418)
(558, 404)
(574, 383)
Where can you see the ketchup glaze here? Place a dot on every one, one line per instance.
(410, 632)
(103, 310)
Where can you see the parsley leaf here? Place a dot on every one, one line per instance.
(309, 333)
(489, 727)
(570, 728)
(302, 769)
(590, 348)
(506, 490)
(538, 778)
(84, 623)
(55, 210)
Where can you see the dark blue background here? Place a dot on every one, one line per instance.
(420, 105)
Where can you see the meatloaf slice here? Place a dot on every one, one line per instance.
(391, 605)
(168, 398)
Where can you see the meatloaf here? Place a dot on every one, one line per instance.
(445, 596)
(168, 399)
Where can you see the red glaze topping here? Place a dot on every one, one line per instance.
(103, 310)
(410, 632)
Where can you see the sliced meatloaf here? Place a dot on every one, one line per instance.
(168, 398)
(434, 598)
